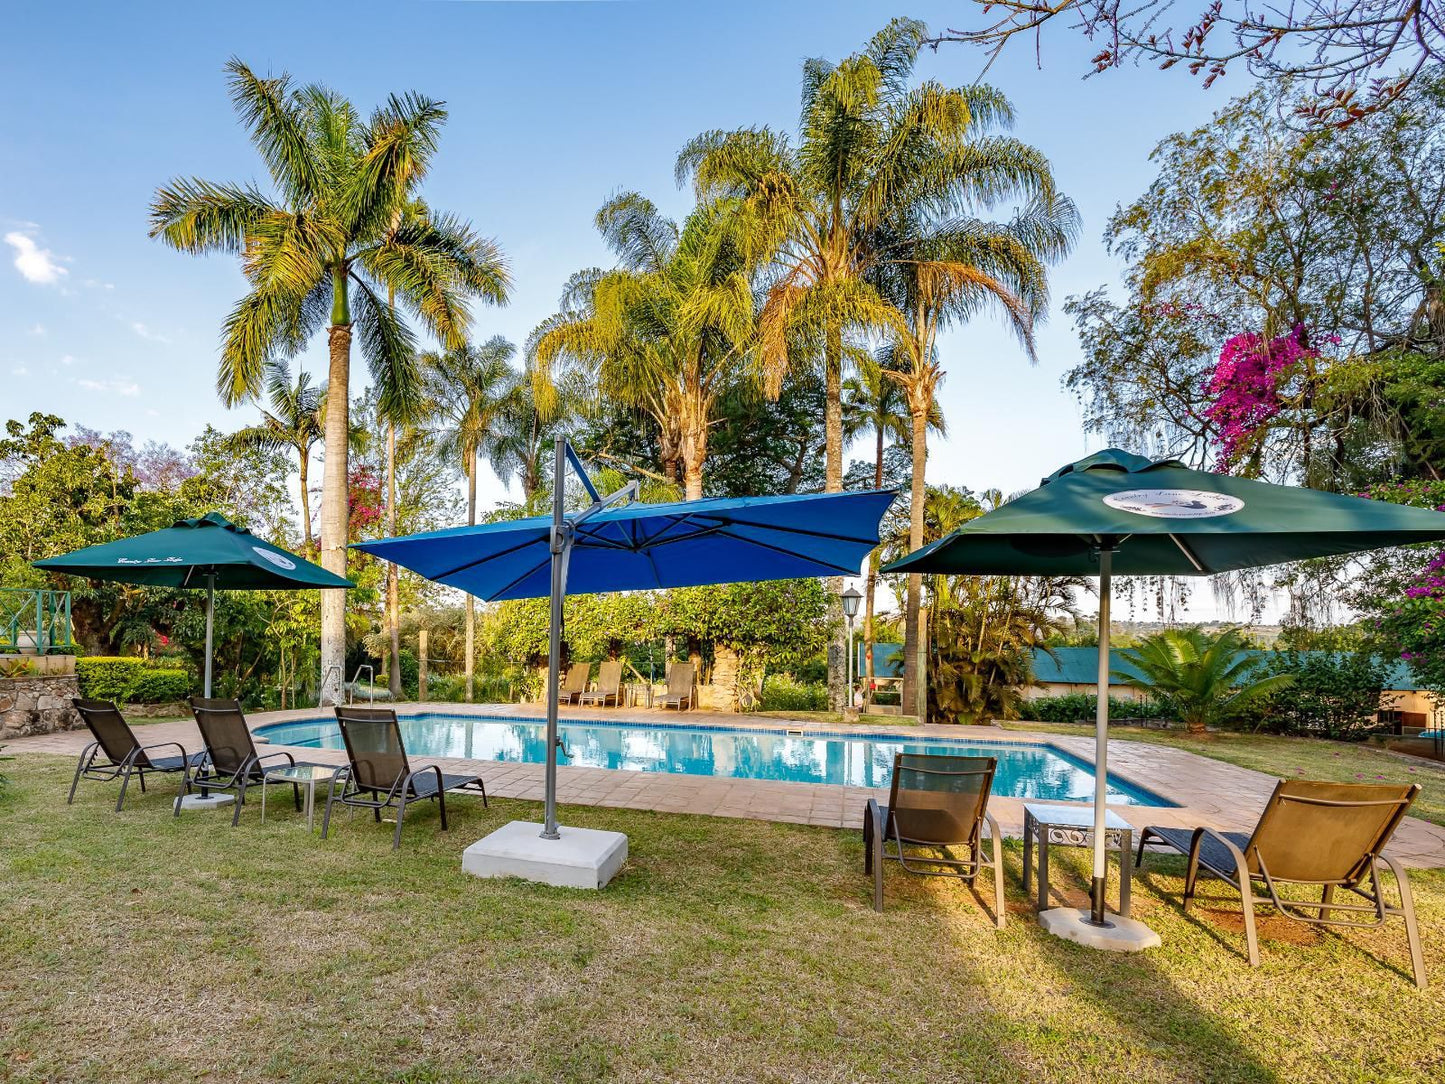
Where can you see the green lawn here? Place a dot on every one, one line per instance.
(137, 947)
(1307, 758)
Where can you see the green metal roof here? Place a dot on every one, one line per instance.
(1080, 666)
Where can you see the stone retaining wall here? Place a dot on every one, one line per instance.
(38, 704)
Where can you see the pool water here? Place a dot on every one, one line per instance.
(1025, 769)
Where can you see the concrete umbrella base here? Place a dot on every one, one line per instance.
(579, 858)
(1120, 935)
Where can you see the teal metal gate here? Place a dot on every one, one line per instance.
(35, 621)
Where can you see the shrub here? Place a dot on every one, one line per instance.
(782, 693)
(1074, 707)
(159, 687)
(107, 677)
(1335, 694)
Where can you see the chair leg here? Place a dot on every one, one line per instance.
(998, 908)
(877, 849)
(326, 817)
(240, 798)
(868, 840)
(400, 813)
(125, 782)
(296, 794)
(1246, 899)
(79, 767)
(442, 805)
(142, 776)
(1412, 928)
(1326, 896)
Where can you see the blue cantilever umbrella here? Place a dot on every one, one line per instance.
(641, 546)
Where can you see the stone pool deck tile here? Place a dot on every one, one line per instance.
(1207, 791)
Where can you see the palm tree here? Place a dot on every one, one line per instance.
(944, 270)
(526, 435)
(872, 152)
(872, 403)
(471, 387)
(665, 332)
(326, 250)
(1204, 680)
(296, 421)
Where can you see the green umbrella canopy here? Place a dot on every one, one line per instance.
(1163, 519)
(188, 553)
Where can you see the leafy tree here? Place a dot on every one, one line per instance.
(296, 422)
(327, 248)
(1205, 679)
(1332, 694)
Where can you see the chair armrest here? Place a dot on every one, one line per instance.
(165, 745)
(273, 756)
(993, 829)
(1241, 867)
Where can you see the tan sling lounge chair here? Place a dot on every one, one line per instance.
(1325, 836)
(609, 686)
(575, 684)
(680, 678)
(938, 802)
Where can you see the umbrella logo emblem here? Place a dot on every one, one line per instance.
(276, 559)
(1175, 503)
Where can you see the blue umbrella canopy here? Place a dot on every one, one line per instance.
(642, 546)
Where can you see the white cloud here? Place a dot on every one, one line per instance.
(146, 333)
(20, 370)
(67, 359)
(128, 388)
(38, 331)
(36, 264)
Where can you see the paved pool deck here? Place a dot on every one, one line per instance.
(1207, 791)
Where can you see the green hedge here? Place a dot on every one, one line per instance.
(785, 694)
(130, 680)
(1074, 707)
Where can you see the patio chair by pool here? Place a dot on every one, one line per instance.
(679, 686)
(1326, 836)
(124, 753)
(938, 802)
(231, 760)
(609, 686)
(378, 775)
(576, 683)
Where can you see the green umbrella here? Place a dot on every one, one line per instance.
(210, 552)
(1120, 513)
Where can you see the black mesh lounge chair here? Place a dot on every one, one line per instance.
(231, 760)
(576, 683)
(1325, 836)
(938, 802)
(609, 686)
(124, 753)
(378, 775)
(679, 686)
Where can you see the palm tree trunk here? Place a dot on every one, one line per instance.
(911, 640)
(335, 503)
(310, 544)
(470, 669)
(832, 483)
(693, 446)
(871, 586)
(393, 585)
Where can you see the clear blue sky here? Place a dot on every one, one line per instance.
(553, 106)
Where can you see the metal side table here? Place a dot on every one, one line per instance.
(304, 775)
(1073, 826)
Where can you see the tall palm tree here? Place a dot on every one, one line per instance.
(526, 435)
(1205, 679)
(874, 404)
(471, 387)
(939, 270)
(869, 147)
(666, 331)
(296, 422)
(322, 251)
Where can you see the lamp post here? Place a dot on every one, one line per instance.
(851, 599)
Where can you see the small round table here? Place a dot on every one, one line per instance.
(1073, 826)
(305, 775)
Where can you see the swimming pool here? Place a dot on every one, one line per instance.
(1025, 769)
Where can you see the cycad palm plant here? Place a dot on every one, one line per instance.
(471, 387)
(327, 249)
(665, 332)
(1203, 679)
(296, 422)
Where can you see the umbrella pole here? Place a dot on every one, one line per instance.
(559, 545)
(210, 625)
(1101, 745)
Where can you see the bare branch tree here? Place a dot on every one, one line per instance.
(1338, 47)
